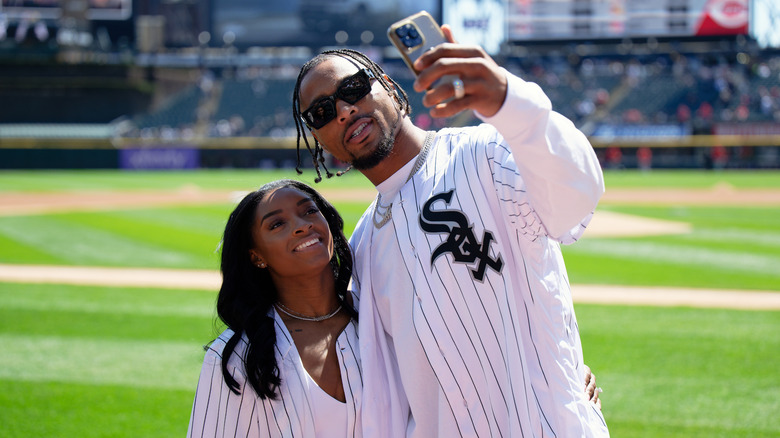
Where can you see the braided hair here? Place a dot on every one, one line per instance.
(248, 293)
(357, 58)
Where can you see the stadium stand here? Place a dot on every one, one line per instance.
(670, 99)
(694, 90)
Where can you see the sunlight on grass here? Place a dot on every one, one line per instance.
(145, 364)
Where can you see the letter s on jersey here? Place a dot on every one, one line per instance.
(461, 242)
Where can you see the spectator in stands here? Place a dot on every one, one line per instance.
(614, 158)
(644, 158)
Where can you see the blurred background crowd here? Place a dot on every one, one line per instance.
(183, 72)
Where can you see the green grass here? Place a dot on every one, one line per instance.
(84, 361)
(728, 247)
(176, 237)
(123, 362)
(63, 410)
(211, 179)
(740, 179)
(100, 362)
(245, 179)
(677, 372)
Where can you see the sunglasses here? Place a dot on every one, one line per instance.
(351, 90)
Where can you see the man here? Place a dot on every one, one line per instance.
(467, 326)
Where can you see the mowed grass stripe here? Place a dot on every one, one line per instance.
(207, 220)
(71, 242)
(682, 178)
(56, 409)
(593, 268)
(722, 217)
(182, 237)
(106, 325)
(248, 179)
(137, 302)
(187, 247)
(675, 372)
(131, 314)
(762, 240)
(143, 364)
(730, 247)
(14, 250)
(240, 179)
(722, 261)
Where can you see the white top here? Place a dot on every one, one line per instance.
(330, 415)
(467, 322)
(218, 412)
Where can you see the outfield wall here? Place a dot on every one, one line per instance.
(693, 152)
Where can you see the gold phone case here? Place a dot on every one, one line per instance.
(427, 29)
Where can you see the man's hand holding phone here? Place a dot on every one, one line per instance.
(484, 81)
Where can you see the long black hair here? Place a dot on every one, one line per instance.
(358, 58)
(248, 292)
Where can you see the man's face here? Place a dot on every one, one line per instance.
(361, 133)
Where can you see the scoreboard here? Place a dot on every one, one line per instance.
(600, 19)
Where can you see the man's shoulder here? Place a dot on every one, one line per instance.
(466, 136)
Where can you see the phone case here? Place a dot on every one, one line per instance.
(425, 26)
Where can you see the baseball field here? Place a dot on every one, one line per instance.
(108, 282)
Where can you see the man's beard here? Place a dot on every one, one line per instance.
(381, 152)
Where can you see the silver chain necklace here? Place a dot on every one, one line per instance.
(293, 314)
(388, 214)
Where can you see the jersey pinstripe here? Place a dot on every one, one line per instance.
(218, 412)
(469, 284)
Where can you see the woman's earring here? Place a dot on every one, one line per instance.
(261, 265)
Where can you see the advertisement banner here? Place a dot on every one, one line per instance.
(747, 129)
(609, 132)
(159, 158)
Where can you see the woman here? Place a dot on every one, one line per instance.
(288, 364)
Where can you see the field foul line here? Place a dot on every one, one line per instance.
(211, 280)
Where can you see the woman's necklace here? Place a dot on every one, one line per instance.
(293, 314)
(388, 210)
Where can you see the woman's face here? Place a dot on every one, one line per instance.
(291, 236)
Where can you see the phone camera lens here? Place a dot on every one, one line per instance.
(403, 31)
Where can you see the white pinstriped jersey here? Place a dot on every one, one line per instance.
(218, 412)
(466, 289)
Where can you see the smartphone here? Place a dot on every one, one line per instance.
(415, 34)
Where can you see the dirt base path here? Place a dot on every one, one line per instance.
(210, 281)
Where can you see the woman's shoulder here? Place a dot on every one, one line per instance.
(217, 346)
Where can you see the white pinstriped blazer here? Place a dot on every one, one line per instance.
(493, 315)
(218, 412)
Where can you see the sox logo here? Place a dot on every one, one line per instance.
(461, 242)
